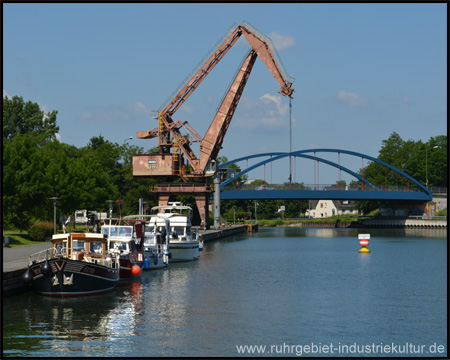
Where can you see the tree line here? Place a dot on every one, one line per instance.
(37, 167)
(426, 162)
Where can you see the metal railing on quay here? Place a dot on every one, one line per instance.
(322, 187)
(438, 190)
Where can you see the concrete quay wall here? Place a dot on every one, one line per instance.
(405, 223)
(226, 231)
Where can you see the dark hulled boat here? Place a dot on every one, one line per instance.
(75, 265)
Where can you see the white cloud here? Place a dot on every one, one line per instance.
(44, 108)
(138, 108)
(5, 95)
(281, 42)
(266, 114)
(351, 99)
(276, 99)
(187, 109)
(58, 137)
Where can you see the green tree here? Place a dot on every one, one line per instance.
(240, 180)
(20, 117)
(19, 166)
(421, 161)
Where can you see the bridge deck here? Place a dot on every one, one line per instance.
(323, 194)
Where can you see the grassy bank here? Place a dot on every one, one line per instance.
(17, 238)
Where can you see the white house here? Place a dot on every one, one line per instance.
(328, 208)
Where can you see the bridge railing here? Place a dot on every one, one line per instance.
(321, 187)
(438, 190)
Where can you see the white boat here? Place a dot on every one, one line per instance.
(156, 242)
(183, 245)
(125, 241)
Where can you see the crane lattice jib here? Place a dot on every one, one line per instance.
(203, 69)
(210, 144)
(265, 51)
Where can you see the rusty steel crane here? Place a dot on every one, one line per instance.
(174, 157)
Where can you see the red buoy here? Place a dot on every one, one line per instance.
(363, 242)
(364, 239)
(135, 270)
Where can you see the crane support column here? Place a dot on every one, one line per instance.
(217, 200)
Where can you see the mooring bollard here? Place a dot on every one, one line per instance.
(7, 241)
(364, 242)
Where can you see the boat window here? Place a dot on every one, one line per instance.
(125, 232)
(60, 248)
(95, 247)
(105, 231)
(77, 245)
(178, 229)
(149, 240)
(149, 228)
(188, 230)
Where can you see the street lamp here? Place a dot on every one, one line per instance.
(426, 162)
(110, 208)
(55, 202)
(128, 139)
(256, 217)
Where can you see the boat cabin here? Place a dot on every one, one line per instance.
(125, 238)
(173, 208)
(180, 226)
(77, 246)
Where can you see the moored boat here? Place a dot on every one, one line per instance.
(156, 241)
(77, 264)
(183, 245)
(126, 243)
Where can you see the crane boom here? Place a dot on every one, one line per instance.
(211, 143)
(168, 162)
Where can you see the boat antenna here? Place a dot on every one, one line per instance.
(110, 216)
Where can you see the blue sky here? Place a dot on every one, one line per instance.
(362, 71)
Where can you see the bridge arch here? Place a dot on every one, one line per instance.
(301, 153)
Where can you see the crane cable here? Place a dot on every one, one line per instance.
(290, 143)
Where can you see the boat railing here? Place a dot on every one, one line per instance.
(39, 257)
(43, 255)
(157, 248)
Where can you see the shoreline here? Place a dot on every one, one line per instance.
(369, 223)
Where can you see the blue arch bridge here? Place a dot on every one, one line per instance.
(416, 194)
(367, 191)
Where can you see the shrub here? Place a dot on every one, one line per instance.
(40, 230)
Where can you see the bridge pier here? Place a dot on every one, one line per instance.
(216, 208)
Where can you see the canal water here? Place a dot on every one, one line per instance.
(278, 292)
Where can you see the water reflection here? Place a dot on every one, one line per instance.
(279, 285)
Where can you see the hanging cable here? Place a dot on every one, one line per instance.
(290, 142)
